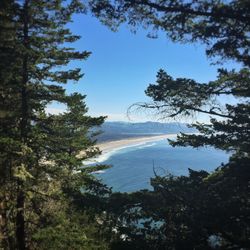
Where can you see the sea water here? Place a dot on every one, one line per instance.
(133, 166)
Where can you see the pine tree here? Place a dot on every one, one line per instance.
(41, 154)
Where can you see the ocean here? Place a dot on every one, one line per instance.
(133, 166)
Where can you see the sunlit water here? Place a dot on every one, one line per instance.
(132, 167)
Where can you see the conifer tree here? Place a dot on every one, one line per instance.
(41, 154)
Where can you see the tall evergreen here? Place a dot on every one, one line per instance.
(41, 154)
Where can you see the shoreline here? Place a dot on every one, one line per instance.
(107, 147)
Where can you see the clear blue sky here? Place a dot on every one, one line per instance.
(122, 64)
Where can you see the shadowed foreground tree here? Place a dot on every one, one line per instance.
(201, 211)
(41, 154)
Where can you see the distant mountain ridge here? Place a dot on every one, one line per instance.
(122, 130)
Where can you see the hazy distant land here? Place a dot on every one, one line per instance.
(119, 135)
(115, 131)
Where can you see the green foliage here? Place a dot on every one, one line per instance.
(48, 202)
(184, 212)
(185, 97)
(70, 229)
(42, 154)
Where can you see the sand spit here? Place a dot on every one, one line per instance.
(115, 145)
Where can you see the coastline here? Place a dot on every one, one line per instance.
(107, 147)
(110, 147)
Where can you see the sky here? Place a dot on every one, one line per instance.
(123, 64)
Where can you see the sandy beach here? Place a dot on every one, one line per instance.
(115, 145)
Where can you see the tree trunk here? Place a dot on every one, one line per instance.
(20, 205)
(20, 223)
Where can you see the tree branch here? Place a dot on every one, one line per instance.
(185, 10)
(159, 107)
